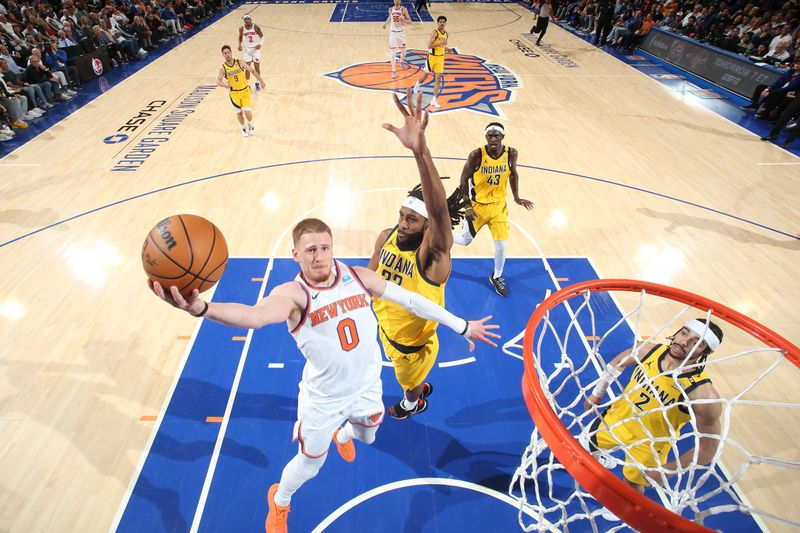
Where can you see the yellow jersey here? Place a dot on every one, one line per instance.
(488, 183)
(643, 397)
(438, 43)
(235, 75)
(402, 268)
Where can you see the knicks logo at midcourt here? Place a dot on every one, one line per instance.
(469, 82)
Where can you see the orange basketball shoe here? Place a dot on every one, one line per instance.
(278, 515)
(346, 450)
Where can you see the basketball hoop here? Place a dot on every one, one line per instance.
(555, 397)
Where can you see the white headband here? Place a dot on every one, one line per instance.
(415, 204)
(495, 127)
(704, 332)
(247, 17)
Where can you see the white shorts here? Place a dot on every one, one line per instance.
(315, 424)
(397, 39)
(251, 55)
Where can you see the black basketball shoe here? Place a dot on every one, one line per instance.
(397, 411)
(499, 285)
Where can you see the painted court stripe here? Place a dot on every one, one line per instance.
(275, 365)
(183, 337)
(146, 450)
(148, 418)
(213, 419)
(352, 158)
(429, 481)
(238, 338)
(257, 279)
(465, 361)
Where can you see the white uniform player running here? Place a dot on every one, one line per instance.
(327, 309)
(398, 18)
(250, 40)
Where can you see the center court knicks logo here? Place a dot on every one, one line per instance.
(469, 81)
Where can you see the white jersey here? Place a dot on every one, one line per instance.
(398, 22)
(337, 335)
(250, 38)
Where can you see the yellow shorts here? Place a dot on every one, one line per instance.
(435, 64)
(495, 215)
(640, 454)
(411, 369)
(241, 100)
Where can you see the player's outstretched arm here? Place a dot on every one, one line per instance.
(438, 236)
(514, 179)
(284, 301)
(612, 371)
(472, 330)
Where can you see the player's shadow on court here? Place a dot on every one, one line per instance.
(510, 409)
(692, 126)
(449, 449)
(428, 451)
(27, 218)
(726, 230)
(167, 501)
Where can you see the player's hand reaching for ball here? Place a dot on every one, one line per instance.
(192, 305)
(479, 330)
(412, 134)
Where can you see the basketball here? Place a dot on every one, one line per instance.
(186, 251)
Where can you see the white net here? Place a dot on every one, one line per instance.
(739, 472)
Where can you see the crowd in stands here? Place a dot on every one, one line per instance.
(40, 41)
(765, 33)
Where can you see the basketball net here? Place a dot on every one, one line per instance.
(569, 341)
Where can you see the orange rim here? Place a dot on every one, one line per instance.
(638, 511)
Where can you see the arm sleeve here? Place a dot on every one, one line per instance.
(424, 308)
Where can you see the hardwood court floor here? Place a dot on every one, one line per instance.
(87, 351)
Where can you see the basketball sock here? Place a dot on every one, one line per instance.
(345, 434)
(405, 404)
(499, 257)
(299, 470)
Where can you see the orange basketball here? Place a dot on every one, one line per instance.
(186, 251)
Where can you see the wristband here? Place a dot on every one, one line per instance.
(465, 333)
(201, 313)
(608, 375)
